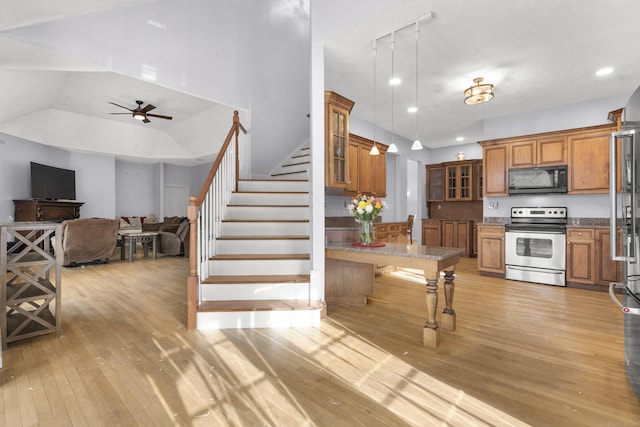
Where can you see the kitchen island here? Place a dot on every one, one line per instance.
(349, 277)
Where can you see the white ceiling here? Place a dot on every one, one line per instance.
(538, 53)
(42, 88)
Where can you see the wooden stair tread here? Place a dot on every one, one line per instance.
(257, 257)
(287, 173)
(266, 206)
(263, 237)
(265, 220)
(259, 305)
(295, 164)
(276, 278)
(270, 192)
(274, 180)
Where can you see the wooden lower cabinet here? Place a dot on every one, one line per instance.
(458, 234)
(431, 232)
(588, 257)
(607, 271)
(491, 249)
(581, 265)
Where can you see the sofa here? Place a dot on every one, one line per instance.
(138, 223)
(173, 236)
(87, 240)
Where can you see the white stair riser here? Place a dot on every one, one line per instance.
(259, 319)
(267, 212)
(257, 267)
(283, 186)
(265, 246)
(270, 199)
(265, 228)
(260, 291)
(283, 172)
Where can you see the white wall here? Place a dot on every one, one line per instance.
(15, 171)
(95, 184)
(135, 183)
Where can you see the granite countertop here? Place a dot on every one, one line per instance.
(571, 222)
(397, 249)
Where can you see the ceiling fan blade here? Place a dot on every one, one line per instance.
(128, 114)
(149, 107)
(160, 117)
(118, 105)
(146, 120)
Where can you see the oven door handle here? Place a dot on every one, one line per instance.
(537, 231)
(535, 270)
(613, 192)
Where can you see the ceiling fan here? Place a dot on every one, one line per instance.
(140, 113)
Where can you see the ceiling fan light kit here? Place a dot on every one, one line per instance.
(478, 94)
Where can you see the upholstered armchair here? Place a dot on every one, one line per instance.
(88, 240)
(174, 238)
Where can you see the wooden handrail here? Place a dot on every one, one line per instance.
(193, 210)
(236, 127)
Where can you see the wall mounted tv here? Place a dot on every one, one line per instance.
(52, 183)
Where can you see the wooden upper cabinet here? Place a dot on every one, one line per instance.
(367, 174)
(538, 152)
(589, 161)
(337, 109)
(585, 151)
(459, 181)
(435, 183)
(495, 170)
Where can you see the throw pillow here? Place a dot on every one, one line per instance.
(135, 221)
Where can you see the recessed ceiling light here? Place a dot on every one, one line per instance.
(395, 81)
(412, 109)
(604, 71)
(460, 138)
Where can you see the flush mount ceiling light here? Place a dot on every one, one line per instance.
(479, 93)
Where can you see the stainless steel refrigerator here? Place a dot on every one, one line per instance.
(625, 217)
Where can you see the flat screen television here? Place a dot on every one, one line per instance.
(52, 183)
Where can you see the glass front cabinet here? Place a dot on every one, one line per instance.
(337, 109)
(459, 179)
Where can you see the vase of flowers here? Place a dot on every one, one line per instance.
(365, 209)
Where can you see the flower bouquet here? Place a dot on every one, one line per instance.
(365, 209)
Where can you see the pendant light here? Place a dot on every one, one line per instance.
(417, 145)
(374, 150)
(394, 81)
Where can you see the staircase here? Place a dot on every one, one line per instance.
(259, 276)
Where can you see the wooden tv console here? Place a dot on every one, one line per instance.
(46, 210)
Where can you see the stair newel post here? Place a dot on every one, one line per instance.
(236, 123)
(192, 280)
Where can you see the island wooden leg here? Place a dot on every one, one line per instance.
(430, 332)
(449, 314)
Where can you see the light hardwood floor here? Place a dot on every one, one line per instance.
(521, 354)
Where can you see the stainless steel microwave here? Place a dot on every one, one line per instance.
(542, 180)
